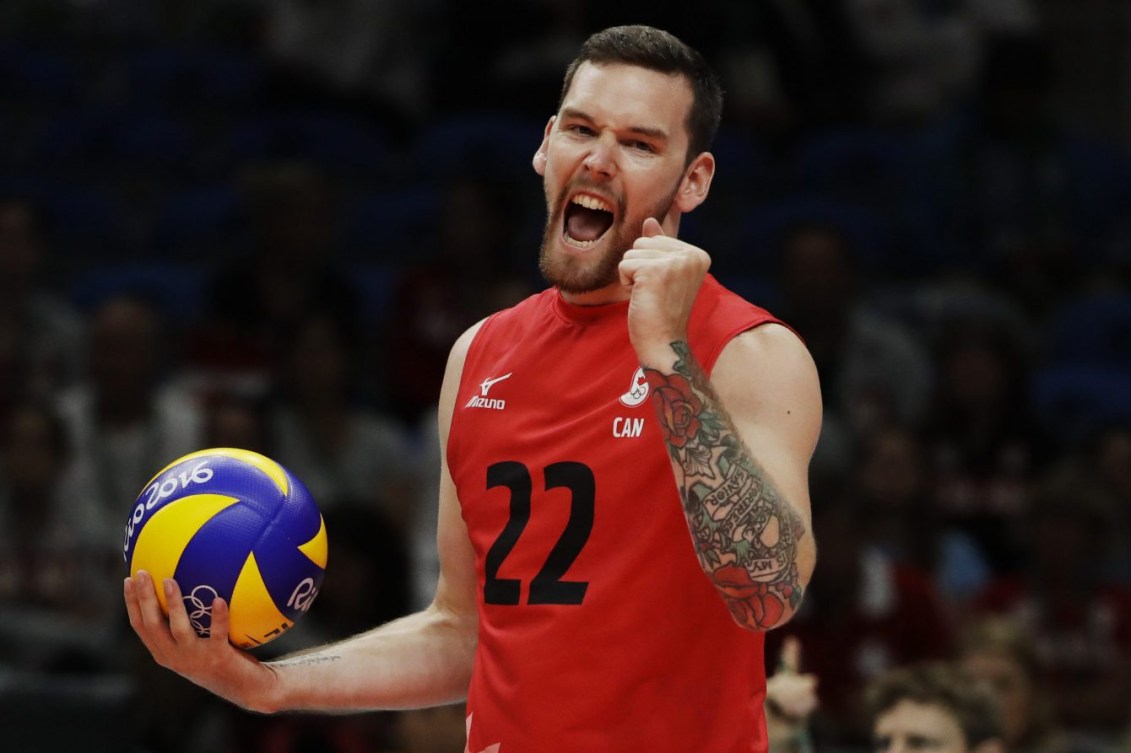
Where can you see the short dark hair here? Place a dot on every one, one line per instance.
(657, 50)
(938, 684)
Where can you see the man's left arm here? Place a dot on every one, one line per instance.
(740, 443)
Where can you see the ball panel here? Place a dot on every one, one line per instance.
(215, 555)
(254, 617)
(254, 489)
(318, 548)
(167, 532)
(273, 470)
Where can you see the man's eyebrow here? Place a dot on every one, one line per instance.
(923, 741)
(653, 133)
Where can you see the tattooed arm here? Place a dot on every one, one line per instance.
(739, 441)
(740, 446)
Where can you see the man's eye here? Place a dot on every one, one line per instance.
(642, 146)
(580, 130)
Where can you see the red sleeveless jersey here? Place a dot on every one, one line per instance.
(598, 631)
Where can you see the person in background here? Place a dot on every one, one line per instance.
(791, 698)
(984, 446)
(55, 572)
(1079, 621)
(893, 485)
(324, 433)
(1001, 655)
(864, 614)
(873, 370)
(41, 334)
(932, 706)
(128, 418)
(254, 299)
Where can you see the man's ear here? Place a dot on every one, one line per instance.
(539, 161)
(696, 182)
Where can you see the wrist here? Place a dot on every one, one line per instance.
(659, 354)
(271, 698)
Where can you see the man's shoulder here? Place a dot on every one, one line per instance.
(719, 316)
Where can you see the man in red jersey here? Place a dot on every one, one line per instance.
(584, 433)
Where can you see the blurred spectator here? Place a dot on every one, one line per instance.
(1111, 475)
(1100, 472)
(873, 372)
(788, 68)
(1001, 655)
(516, 74)
(320, 430)
(923, 56)
(59, 581)
(235, 420)
(932, 706)
(40, 334)
(791, 697)
(364, 53)
(1080, 624)
(862, 615)
(256, 298)
(1020, 197)
(984, 445)
(529, 68)
(901, 520)
(469, 276)
(126, 420)
(442, 729)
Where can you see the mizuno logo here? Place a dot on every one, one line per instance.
(482, 401)
(487, 384)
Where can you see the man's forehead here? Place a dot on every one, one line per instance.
(629, 87)
(925, 721)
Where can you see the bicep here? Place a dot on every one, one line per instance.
(457, 587)
(768, 384)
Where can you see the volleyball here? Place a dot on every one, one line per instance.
(235, 524)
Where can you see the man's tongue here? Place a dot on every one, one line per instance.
(586, 224)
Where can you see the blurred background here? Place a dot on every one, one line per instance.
(262, 223)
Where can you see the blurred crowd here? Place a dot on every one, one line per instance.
(262, 224)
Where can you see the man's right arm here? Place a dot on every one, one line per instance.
(420, 660)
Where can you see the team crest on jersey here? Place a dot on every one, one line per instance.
(482, 400)
(637, 391)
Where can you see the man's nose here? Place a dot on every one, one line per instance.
(601, 160)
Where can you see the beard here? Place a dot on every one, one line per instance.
(596, 268)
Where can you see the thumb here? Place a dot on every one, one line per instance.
(652, 228)
(791, 655)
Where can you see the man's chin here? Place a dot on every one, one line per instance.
(575, 271)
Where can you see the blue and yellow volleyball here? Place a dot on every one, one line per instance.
(231, 523)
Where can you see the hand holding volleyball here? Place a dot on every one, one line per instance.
(226, 524)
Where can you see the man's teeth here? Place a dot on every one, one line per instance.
(581, 244)
(592, 202)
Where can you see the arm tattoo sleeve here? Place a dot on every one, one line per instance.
(745, 533)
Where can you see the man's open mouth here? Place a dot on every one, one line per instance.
(586, 220)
